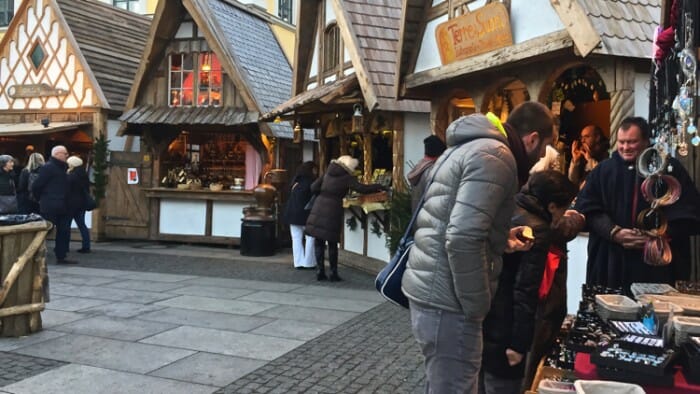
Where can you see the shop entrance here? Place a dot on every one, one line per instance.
(126, 211)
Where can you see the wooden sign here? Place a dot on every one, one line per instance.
(35, 90)
(477, 32)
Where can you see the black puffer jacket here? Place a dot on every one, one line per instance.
(7, 184)
(511, 319)
(51, 187)
(299, 196)
(78, 189)
(326, 217)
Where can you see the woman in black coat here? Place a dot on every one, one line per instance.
(509, 326)
(7, 185)
(28, 203)
(326, 218)
(296, 214)
(76, 200)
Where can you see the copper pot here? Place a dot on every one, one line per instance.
(264, 195)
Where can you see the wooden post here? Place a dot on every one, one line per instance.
(397, 150)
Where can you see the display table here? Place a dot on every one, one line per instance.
(584, 369)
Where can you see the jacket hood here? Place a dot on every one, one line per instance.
(531, 204)
(337, 169)
(471, 127)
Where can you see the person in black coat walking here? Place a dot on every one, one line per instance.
(78, 190)
(51, 187)
(8, 191)
(509, 326)
(296, 215)
(326, 218)
(27, 203)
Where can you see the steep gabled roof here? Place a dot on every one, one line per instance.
(111, 40)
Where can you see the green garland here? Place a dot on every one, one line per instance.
(99, 152)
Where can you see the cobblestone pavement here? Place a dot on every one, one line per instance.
(372, 353)
(17, 367)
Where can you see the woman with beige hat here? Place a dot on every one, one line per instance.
(326, 218)
(77, 199)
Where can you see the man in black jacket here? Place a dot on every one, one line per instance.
(51, 187)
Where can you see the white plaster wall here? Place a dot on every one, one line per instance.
(116, 143)
(416, 128)
(330, 14)
(183, 217)
(641, 95)
(576, 275)
(523, 14)
(353, 241)
(226, 218)
(376, 245)
(313, 70)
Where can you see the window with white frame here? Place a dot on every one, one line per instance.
(131, 5)
(209, 82)
(284, 10)
(7, 11)
(181, 80)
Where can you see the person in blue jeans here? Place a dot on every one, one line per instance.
(78, 190)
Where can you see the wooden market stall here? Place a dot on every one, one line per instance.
(209, 69)
(66, 67)
(343, 90)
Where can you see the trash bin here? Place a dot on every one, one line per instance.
(257, 237)
(23, 270)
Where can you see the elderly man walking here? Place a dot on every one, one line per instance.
(51, 188)
(462, 231)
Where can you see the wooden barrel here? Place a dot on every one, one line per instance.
(22, 272)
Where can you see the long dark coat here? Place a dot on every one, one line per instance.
(52, 187)
(78, 189)
(26, 205)
(608, 200)
(299, 196)
(511, 320)
(326, 218)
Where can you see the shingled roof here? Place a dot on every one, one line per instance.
(112, 41)
(253, 45)
(626, 27)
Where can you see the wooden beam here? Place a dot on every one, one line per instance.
(407, 13)
(578, 24)
(307, 11)
(350, 38)
(528, 49)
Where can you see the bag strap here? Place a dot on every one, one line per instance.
(422, 198)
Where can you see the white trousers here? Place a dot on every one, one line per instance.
(303, 254)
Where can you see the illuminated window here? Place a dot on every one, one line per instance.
(209, 92)
(331, 48)
(181, 80)
(7, 11)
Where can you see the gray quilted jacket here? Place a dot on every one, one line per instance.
(463, 225)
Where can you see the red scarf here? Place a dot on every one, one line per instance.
(554, 256)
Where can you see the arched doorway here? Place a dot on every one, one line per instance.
(504, 97)
(458, 103)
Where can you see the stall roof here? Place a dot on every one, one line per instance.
(370, 31)
(111, 40)
(224, 116)
(623, 28)
(17, 129)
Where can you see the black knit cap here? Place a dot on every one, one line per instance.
(433, 146)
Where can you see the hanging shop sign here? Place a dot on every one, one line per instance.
(35, 90)
(477, 32)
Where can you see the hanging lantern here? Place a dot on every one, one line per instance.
(298, 133)
(357, 118)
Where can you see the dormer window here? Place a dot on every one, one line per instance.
(130, 5)
(284, 10)
(331, 48)
(195, 80)
(7, 11)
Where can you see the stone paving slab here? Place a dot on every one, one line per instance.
(157, 277)
(148, 285)
(302, 331)
(212, 291)
(16, 367)
(83, 379)
(81, 280)
(77, 270)
(115, 328)
(354, 294)
(72, 304)
(243, 284)
(310, 301)
(51, 318)
(208, 368)
(10, 344)
(206, 319)
(121, 309)
(314, 315)
(111, 294)
(228, 343)
(106, 353)
(216, 305)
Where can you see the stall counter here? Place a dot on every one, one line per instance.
(198, 215)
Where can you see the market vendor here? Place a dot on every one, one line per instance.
(612, 199)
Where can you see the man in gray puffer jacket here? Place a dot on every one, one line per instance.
(463, 229)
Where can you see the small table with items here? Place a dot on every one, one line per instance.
(653, 342)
